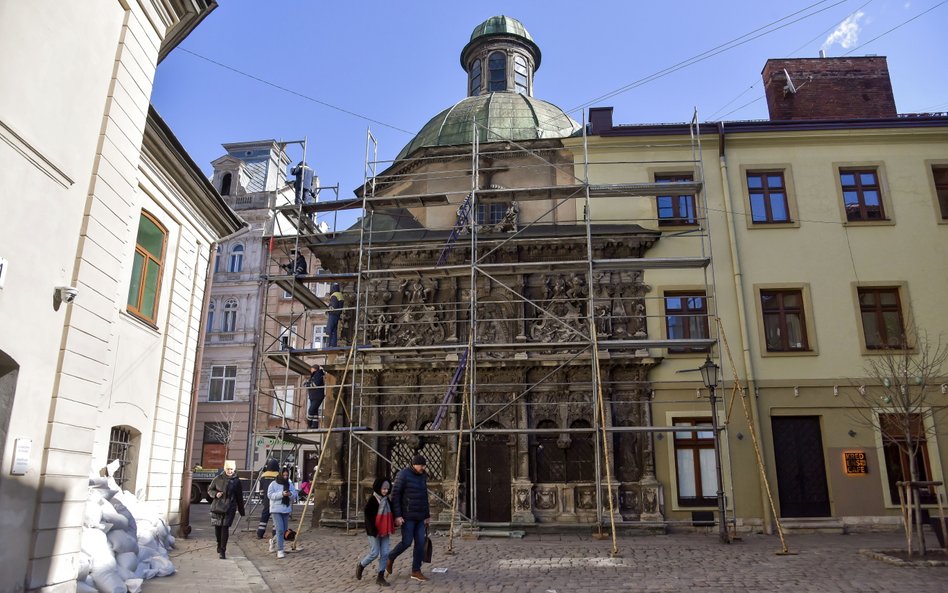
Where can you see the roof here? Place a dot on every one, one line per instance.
(502, 25)
(500, 116)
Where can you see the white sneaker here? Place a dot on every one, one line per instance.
(273, 545)
(281, 554)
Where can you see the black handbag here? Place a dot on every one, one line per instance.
(289, 535)
(429, 548)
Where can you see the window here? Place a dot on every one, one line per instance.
(146, 268)
(210, 317)
(784, 324)
(225, 184)
(862, 197)
(475, 88)
(217, 258)
(768, 197)
(497, 72)
(229, 323)
(283, 402)
(940, 173)
(882, 323)
(520, 75)
(433, 451)
(319, 335)
(398, 447)
(580, 466)
(236, 259)
(894, 446)
(694, 464)
(686, 318)
(676, 209)
(549, 458)
(288, 338)
(223, 383)
(120, 448)
(491, 213)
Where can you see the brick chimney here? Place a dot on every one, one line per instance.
(828, 88)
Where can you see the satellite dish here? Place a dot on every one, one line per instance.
(790, 88)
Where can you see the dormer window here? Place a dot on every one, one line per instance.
(225, 184)
(475, 88)
(521, 80)
(497, 72)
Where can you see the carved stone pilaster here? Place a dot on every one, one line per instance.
(521, 502)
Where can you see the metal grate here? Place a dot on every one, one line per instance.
(120, 444)
(433, 451)
(399, 448)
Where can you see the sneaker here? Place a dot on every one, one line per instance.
(359, 569)
(272, 546)
(281, 554)
(417, 576)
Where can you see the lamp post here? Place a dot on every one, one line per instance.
(709, 374)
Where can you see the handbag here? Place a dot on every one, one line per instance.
(429, 549)
(289, 535)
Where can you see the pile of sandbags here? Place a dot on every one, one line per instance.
(123, 541)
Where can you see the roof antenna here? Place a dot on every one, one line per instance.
(790, 88)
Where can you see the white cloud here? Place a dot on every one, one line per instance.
(846, 34)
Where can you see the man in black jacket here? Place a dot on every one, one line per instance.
(270, 472)
(410, 506)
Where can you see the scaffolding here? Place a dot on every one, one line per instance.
(499, 320)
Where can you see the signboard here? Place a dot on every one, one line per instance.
(855, 463)
(21, 456)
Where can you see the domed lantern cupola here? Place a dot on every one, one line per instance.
(500, 57)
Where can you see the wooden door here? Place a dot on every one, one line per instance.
(801, 471)
(492, 480)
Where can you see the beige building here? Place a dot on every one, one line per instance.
(101, 323)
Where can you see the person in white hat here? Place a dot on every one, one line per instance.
(227, 499)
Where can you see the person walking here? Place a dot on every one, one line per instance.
(379, 525)
(270, 472)
(282, 495)
(412, 513)
(227, 499)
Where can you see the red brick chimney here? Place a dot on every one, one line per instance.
(828, 88)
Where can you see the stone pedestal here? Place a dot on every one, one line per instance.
(521, 507)
(651, 499)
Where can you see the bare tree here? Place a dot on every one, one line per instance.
(223, 429)
(897, 406)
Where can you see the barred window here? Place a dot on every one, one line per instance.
(399, 449)
(120, 448)
(433, 451)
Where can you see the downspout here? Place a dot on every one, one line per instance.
(738, 279)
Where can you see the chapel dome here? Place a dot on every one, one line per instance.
(501, 25)
(500, 116)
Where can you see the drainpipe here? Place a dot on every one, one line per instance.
(738, 279)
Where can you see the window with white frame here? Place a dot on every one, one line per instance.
(223, 383)
(236, 259)
(229, 322)
(287, 337)
(319, 336)
(210, 316)
(283, 402)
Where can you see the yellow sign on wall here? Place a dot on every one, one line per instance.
(855, 463)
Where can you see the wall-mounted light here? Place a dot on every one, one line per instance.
(944, 388)
(796, 391)
(851, 432)
(835, 390)
(740, 436)
(660, 436)
(861, 389)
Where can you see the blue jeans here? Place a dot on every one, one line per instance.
(280, 522)
(378, 548)
(412, 530)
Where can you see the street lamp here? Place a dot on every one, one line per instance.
(709, 374)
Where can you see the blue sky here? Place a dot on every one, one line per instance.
(397, 63)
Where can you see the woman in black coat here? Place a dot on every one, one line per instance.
(227, 499)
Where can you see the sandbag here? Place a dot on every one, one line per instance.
(113, 517)
(134, 585)
(122, 541)
(122, 510)
(127, 560)
(85, 586)
(108, 581)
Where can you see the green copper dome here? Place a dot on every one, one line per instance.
(502, 25)
(500, 116)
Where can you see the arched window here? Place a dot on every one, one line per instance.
(146, 268)
(549, 459)
(211, 306)
(229, 323)
(236, 259)
(521, 81)
(123, 441)
(497, 72)
(433, 451)
(399, 450)
(475, 88)
(225, 184)
(218, 255)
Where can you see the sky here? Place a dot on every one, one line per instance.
(330, 72)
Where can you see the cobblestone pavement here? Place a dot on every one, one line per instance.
(326, 560)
